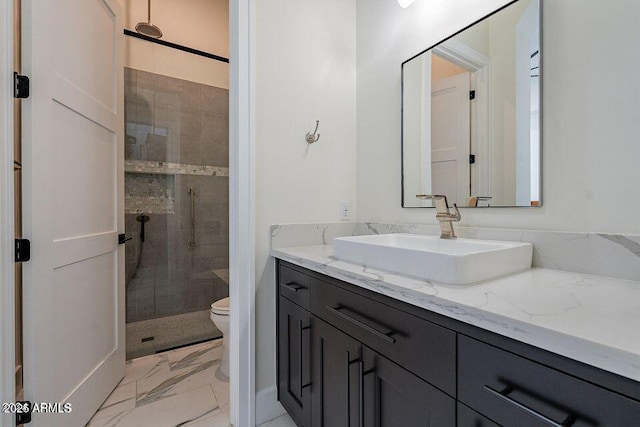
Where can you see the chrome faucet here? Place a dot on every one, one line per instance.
(443, 215)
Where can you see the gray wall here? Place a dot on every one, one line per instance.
(173, 120)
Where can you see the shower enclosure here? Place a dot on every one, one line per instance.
(176, 210)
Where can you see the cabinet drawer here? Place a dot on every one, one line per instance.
(294, 286)
(426, 349)
(513, 390)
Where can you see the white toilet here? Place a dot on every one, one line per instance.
(220, 317)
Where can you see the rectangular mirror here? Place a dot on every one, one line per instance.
(471, 114)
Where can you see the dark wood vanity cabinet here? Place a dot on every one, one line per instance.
(422, 347)
(506, 387)
(394, 396)
(348, 357)
(294, 361)
(355, 386)
(337, 377)
(467, 417)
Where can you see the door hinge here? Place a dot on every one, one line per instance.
(472, 159)
(472, 95)
(20, 86)
(24, 417)
(122, 239)
(23, 250)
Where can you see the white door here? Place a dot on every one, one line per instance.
(451, 138)
(73, 205)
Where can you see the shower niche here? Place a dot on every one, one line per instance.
(176, 210)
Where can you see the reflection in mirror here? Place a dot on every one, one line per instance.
(471, 114)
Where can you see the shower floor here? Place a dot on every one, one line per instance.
(169, 332)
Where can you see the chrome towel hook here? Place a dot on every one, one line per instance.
(311, 138)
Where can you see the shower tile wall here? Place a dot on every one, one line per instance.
(175, 121)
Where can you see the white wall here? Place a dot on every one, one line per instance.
(199, 24)
(590, 113)
(305, 71)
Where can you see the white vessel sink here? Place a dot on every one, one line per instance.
(455, 261)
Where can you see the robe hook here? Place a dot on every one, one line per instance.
(312, 137)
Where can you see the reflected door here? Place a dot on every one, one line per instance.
(451, 137)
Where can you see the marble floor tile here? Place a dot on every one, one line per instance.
(221, 391)
(283, 421)
(178, 410)
(110, 421)
(122, 392)
(145, 367)
(194, 355)
(175, 382)
(109, 411)
(220, 420)
(176, 388)
(120, 400)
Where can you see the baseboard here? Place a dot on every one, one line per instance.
(267, 406)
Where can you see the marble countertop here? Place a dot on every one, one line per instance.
(591, 319)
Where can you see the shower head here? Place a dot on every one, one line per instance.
(147, 28)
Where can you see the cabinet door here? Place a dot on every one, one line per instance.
(395, 397)
(337, 386)
(467, 417)
(294, 361)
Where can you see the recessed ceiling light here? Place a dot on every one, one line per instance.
(405, 3)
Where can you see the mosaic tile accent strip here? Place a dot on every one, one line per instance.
(151, 194)
(166, 168)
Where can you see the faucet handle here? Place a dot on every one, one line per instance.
(432, 197)
(456, 215)
(429, 196)
(443, 215)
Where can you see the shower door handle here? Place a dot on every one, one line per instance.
(122, 239)
(192, 194)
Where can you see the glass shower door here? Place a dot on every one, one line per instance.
(176, 210)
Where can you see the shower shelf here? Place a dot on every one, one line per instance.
(166, 168)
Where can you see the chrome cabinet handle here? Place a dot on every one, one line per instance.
(362, 325)
(504, 395)
(293, 287)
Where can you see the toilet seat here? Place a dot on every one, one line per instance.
(220, 318)
(221, 307)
